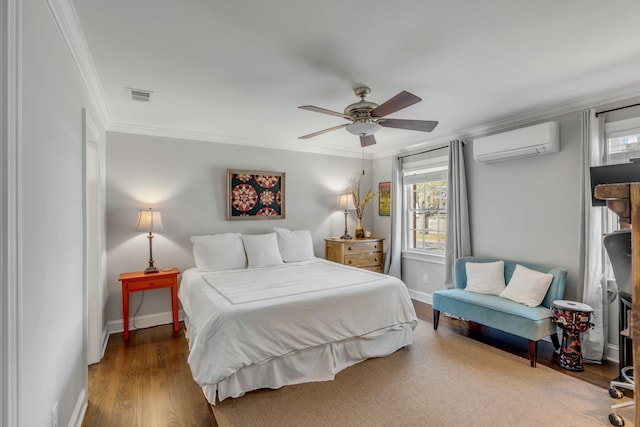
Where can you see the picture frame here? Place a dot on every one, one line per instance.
(253, 194)
(384, 199)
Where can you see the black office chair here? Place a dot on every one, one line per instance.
(618, 246)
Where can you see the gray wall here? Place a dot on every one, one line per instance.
(521, 209)
(52, 347)
(529, 209)
(186, 181)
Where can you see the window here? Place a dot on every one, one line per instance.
(623, 141)
(622, 145)
(425, 196)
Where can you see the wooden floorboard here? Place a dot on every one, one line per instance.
(147, 381)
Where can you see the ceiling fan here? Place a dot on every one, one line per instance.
(368, 117)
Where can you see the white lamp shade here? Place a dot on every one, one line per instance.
(345, 202)
(149, 220)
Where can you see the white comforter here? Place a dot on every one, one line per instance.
(243, 317)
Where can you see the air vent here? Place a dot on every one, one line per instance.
(140, 94)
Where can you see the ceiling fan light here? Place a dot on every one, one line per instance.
(363, 128)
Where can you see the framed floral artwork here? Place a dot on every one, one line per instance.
(255, 194)
(384, 199)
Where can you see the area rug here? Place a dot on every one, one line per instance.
(442, 379)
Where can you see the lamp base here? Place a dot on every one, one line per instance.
(346, 236)
(150, 269)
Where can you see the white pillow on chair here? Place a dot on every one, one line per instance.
(485, 277)
(527, 286)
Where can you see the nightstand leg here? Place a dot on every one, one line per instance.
(125, 313)
(174, 307)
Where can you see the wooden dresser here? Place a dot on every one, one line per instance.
(362, 253)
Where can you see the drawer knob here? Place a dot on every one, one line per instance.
(375, 246)
(349, 248)
(350, 262)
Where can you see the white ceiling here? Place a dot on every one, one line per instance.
(236, 71)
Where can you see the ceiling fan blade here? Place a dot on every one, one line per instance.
(324, 111)
(311, 135)
(398, 102)
(366, 140)
(419, 125)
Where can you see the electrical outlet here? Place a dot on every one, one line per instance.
(54, 415)
(425, 278)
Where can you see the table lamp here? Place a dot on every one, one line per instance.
(345, 202)
(150, 220)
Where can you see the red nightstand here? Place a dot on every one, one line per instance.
(139, 281)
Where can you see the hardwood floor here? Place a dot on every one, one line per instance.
(147, 382)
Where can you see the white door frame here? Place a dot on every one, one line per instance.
(93, 238)
(10, 234)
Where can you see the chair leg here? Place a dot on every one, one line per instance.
(436, 318)
(533, 352)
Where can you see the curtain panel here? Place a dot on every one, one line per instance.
(594, 341)
(393, 260)
(458, 241)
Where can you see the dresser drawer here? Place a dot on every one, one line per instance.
(362, 260)
(151, 283)
(359, 247)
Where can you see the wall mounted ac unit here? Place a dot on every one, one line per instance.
(530, 141)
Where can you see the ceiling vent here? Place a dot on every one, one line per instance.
(139, 94)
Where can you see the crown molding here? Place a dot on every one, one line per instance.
(67, 20)
(132, 128)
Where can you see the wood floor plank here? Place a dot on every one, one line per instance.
(147, 381)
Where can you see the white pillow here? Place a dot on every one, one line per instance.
(262, 250)
(485, 277)
(294, 245)
(527, 286)
(219, 252)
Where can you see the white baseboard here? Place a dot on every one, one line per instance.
(105, 341)
(613, 353)
(80, 409)
(156, 319)
(421, 296)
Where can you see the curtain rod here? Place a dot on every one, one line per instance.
(615, 109)
(426, 151)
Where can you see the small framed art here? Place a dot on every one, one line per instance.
(384, 199)
(255, 194)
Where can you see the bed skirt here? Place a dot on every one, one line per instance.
(309, 365)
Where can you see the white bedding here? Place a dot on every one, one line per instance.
(248, 322)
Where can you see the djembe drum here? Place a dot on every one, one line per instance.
(573, 318)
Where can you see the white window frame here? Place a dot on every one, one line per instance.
(620, 129)
(429, 165)
(616, 129)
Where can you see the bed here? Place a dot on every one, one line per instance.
(288, 320)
